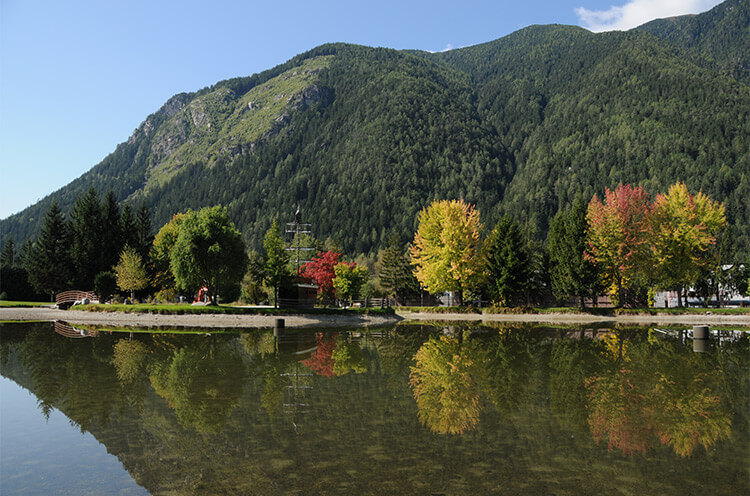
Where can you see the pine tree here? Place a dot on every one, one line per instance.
(508, 270)
(144, 235)
(8, 256)
(571, 273)
(87, 233)
(395, 273)
(48, 261)
(112, 241)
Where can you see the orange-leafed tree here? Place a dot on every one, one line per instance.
(618, 236)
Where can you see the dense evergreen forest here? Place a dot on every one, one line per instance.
(363, 138)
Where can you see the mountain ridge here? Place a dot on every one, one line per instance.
(520, 125)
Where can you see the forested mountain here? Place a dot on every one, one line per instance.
(363, 138)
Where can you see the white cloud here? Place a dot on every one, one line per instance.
(448, 48)
(637, 12)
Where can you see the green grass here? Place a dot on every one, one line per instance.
(575, 310)
(438, 310)
(185, 309)
(24, 304)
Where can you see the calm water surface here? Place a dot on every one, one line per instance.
(410, 409)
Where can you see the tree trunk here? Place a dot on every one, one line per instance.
(679, 296)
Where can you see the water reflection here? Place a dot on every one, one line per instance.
(654, 394)
(529, 409)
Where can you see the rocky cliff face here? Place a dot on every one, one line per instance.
(220, 125)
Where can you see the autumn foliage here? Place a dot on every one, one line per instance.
(664, 244)
(321, 270)
(445, 251)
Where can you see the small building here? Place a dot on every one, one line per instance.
(299, 296)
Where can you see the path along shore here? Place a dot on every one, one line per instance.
(313, 320)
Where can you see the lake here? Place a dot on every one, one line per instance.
(399, 410)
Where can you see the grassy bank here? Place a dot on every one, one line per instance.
(574, 310)
(168, 309)
(24, 304)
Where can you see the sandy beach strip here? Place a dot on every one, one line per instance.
(313, 320)
(191, 320)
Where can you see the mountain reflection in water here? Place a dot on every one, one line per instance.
(410, 409)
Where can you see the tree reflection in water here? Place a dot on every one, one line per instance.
(197, 414)
(655, 394)
(446, 385)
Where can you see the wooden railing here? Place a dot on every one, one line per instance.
(67, 330)
(67, 298)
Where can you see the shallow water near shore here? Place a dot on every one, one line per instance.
(405, 409)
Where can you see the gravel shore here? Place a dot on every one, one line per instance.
(307, 320)
(198, 320)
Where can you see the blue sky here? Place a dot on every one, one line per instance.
(77, 77)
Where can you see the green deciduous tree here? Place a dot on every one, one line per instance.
(445, 251)
(209, 251)
(161, 253)
(130, 272)
(276, 263)
(349, 280)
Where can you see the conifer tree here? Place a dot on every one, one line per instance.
(144, 235)
(8, 255)
(571, 273)
(48, 261)
(508, 270)
(87, 232)
(112, 240)
(395, 273)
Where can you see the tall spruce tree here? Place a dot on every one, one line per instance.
(508, 267)
(87, 233)
(395, 273)
(570, 271)
(48, 261)
(144, 232)
(127, 226)
(112, 240)
(8, 255)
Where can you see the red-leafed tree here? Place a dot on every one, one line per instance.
(321, 362)
(618, 239)
(320, 270)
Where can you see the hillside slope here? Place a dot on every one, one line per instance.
(362, 138)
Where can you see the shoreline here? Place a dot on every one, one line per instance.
(301, 320)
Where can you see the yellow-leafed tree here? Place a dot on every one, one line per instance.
(446, 249)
